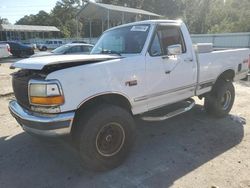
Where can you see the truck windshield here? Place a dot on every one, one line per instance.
(125, 40)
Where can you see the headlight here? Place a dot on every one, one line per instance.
(45, 93)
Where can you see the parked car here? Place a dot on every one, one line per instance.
(72, 48)
(19, 50)
(49, 44)
(30, 44)
(79, 41)
(132, 70)
(4, 50)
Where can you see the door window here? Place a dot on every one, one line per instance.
(75, 49)
(170, 35)
(155, 49)
(15, 46)
(87, 48)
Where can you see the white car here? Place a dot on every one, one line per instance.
(133, 69)
(71, 48)
(4, 50)
(49, 44)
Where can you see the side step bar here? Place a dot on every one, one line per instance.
(179, 111)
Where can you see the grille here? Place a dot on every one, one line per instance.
(20, 88)
(20, 83)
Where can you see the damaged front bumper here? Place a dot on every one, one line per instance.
(45, 125)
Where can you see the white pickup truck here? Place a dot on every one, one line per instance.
(133, 70)
(4, 50)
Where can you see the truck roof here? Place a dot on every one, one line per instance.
(151, 22)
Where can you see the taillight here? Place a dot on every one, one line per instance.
(8, 48)
(247, 61)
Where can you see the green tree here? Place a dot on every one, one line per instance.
(194, 14)
(64, 16)
(4, 21)
(171, 9)
(42, 18)
(233, 16)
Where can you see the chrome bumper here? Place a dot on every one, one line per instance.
(46, 125)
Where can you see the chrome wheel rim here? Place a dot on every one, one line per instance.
(110, 139)
(226, 100)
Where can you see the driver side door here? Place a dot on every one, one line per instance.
(170, 78)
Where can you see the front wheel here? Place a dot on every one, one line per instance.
(220, 101)
(105, 136)
(22, 54)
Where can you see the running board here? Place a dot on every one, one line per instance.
(190, 102)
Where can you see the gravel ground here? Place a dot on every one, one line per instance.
(188, 151)
(5, 79)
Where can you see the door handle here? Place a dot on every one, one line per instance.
(167, 72)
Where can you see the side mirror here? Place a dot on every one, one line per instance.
(174, 49)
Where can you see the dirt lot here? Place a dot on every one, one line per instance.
(189, 151)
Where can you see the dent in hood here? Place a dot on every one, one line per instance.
(60, 61)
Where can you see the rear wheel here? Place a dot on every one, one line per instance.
(104, 137)
(44, 48)
(220, 101)
(22, 54)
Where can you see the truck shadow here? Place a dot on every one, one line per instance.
(164, 152)
(244, 83)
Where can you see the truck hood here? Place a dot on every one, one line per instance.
(38, 63)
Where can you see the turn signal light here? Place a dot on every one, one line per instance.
(55, 100)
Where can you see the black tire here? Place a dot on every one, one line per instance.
(93, 135)
(22, 54)
(44, 48)
(221, 99)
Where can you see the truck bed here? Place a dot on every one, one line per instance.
(230, 59)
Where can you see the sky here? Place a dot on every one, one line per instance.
(13, 10)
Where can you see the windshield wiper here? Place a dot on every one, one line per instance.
(110, 52)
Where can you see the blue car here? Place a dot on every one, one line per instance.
(20, 50)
